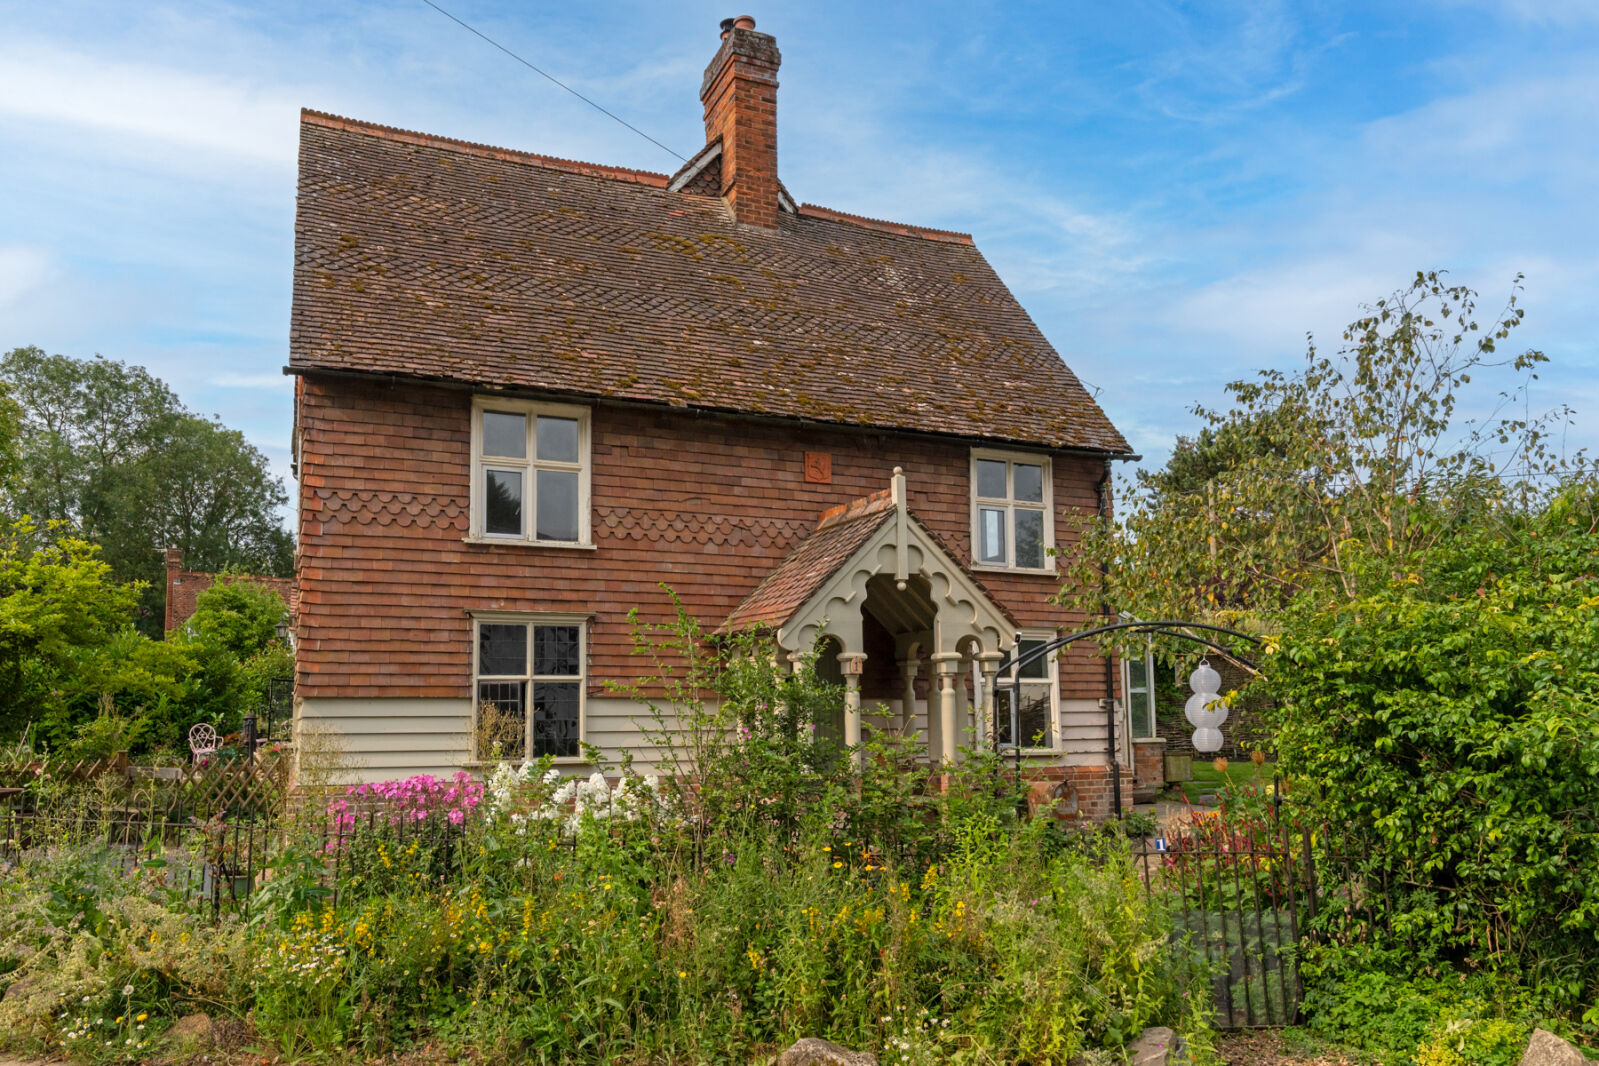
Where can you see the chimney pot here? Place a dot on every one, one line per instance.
(744, 22)
(727, 27)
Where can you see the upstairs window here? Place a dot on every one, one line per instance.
(530, 673)
(530, 472)
(1012, 521)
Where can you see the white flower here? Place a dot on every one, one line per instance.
(127, 990)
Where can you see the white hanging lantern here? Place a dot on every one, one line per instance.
(1205, 709)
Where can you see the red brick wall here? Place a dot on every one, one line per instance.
(740, 97)
(1149, 765)
(1077, 793)
(706, 505)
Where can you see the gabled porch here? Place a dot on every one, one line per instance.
(905, 625)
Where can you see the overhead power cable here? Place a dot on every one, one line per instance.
(551, 77)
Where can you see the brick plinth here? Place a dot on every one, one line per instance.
(1149, 767)
(1076, 793)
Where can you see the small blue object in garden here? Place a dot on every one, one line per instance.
(1160, 843)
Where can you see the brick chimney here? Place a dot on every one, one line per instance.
(740, 97)
(174, 561)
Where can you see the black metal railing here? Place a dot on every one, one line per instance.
(1240, 903)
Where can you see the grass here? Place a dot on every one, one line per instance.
(1210, 781)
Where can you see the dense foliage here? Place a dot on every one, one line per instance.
(1424, 584)
(1449, 722)
(76, 674)
(552, 920)
(107, 453)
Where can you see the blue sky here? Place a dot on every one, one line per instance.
(1178, 192)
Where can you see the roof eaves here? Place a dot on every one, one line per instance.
(297, 369)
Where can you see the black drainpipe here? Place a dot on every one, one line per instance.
(1102, 498)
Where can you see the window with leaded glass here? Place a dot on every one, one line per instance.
(1012, 527)
(529, 683)
(1034, 692)
(530, 472)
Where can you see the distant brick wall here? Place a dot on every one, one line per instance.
(183, 588)
(707, 505)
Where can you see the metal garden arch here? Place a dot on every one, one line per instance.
(1013, 663)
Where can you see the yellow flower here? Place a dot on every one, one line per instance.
(836, 865)
(141, 1017)
(682, 973)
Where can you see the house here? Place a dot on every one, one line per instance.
(530, 391)
(183, 588)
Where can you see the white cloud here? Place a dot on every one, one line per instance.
(23, 269)
(212, 113)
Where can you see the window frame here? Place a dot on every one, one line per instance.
(1052, 663)
(1149, 693)
(528, 677)
(1010, 505)
(528, 467)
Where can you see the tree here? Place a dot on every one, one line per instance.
(108, 452)
(57, 600)
(237, 616)
(1362, 449)
(10, 438)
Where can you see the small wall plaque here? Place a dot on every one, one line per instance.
(819, 468)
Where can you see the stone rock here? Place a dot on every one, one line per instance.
(1154, 1047)
(1547, 1049)
(193, 1029)
(814, 1052)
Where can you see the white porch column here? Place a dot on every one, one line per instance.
(988, 662)
(963, 707)
(852, 664)
(907, 700)
(948, 666)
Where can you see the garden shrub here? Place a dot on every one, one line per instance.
(1445, 729)
(1394, 1008)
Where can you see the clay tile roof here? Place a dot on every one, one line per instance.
(423, 257)
(839, 535)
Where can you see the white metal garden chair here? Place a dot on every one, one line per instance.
(202, 740)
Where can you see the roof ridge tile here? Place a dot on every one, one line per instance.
(866, 505)
(487, 151)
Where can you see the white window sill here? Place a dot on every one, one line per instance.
(490, 764)
(1149, 740)
(515, 542)
(990, 568)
